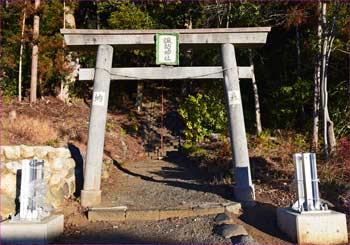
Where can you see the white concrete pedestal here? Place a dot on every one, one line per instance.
(324, 227)
(31, 232)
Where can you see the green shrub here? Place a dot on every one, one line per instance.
(203, 115)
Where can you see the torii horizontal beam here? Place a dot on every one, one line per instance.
(241, 37)
(169, 73)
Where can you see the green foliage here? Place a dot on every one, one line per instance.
(110, 126)
(122, 132)
(300, 140)
(134, 126)
(52, 64)
(340, 111)
(129, 16)
(52, 142)
(203, 115)
(188, 147)
(284, 94)
(341, 118)
(6, 100)
(247, 13)
(10, 47)
(265, 139)
(290, 99)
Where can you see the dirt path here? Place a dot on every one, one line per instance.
(160, 184)
(164, 183)
(188, 230)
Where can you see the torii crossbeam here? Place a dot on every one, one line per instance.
(226, 38)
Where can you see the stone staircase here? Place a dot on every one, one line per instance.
(152, 130)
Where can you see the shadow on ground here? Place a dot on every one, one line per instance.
(114, 237)
(79, 168)
(184, 172)
(263, 217)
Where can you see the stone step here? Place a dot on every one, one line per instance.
(119, 215)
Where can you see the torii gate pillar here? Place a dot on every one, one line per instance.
(243, 189)
(91, 194)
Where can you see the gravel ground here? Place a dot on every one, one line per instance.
(197, 230)
(258, 221)
(163, 184)
(160, 184)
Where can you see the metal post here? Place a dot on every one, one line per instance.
(307, 182)
(243, 189)
(91, 194)
(306, 177)
(315, 180)
(299, 174)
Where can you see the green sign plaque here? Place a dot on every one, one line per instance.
(167, 48)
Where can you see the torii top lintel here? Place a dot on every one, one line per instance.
(246, 37)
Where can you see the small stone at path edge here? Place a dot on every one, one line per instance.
(223, 218)
(230, 230)
(243, 240)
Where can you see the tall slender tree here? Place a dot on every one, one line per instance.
(317, 82)
(256, 97)
(328, 36)
(21, 54)
(35, 55)
(349, 53)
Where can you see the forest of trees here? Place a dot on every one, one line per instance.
(302, 73)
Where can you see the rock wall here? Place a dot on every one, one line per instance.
(59, 174)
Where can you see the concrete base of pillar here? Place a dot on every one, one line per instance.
(244, 194)
(324, 227)
(25, 232)
(90, 198)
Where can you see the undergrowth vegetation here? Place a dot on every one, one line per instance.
(272, 167)
(29, 130)
(203, 115)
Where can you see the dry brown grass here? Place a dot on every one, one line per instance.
(28, 130)
(271, 159)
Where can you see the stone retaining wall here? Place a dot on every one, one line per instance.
(59, 174)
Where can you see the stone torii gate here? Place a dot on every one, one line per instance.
(226, 38)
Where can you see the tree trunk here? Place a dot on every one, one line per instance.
(97, 18)
(328, 124)
(302, 109)
(187, 85)
(228, 15)
(349, 78)
(317, 84)
(61, 95)
(1, 70)
(323, 89)
(20, 58)
(331, 134)
(328, 38)
(218, 13)
(139, 95)
(35, 51)
(64, 96)
(256, 97)
(297, 32)
(68, 22)
(349, 57)
(64, 14)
